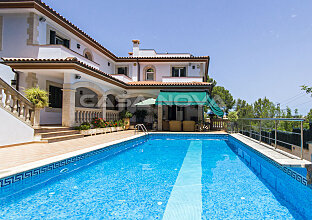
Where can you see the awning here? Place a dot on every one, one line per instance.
(189, 98)
(149, 101)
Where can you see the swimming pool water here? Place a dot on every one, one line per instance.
(167, 177)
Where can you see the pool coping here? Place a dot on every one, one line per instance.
(32, 165)
(270, 152)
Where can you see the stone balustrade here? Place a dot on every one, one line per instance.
(112, 115)
(86, 114)
(14, 102)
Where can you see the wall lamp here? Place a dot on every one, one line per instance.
(42, 19)
(77, 76)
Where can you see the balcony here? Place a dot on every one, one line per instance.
(61, 52)
(182, 79)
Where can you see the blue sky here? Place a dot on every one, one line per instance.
(257, 48)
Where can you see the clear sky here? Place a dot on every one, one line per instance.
(257, 48)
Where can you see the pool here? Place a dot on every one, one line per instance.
(160, 176)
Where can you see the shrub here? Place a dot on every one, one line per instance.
(125, 114)
(38, 97)
(140, 115)
(83, 127)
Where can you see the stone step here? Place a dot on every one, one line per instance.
(51, 129)
(57, 133)
(62, 138)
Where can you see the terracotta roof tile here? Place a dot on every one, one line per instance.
(74, 60)
(155, 83)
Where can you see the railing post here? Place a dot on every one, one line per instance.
(259, 130)
(301, 139)
(275, 139)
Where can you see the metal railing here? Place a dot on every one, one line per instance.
(253, 132)
(142, 126)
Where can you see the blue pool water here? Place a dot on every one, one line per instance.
(163, 177)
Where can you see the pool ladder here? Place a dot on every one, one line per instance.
(143, 128)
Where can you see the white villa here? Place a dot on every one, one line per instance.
(41, 48)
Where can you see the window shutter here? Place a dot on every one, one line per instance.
(183, 72)
(172, 72)
(66, 43)
(126, 71)
(52, 37)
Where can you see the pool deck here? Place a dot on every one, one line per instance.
(277, 155)
(19, 158)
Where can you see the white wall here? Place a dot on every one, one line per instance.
(12, 130)
(6, 73)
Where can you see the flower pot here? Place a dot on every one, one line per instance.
(88, 132)
(119, 128)
(100, 130)
(127, 123)
(107, 130)
(114, 129)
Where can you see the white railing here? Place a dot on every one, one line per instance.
(112, 115)
(14, 102)
(86, 114)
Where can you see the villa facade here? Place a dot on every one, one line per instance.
(83, 78)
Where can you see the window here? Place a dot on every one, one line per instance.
(122, 70)
(88, 55)
(55, 97)
(149, 74)
(56, 39)
(178, 71)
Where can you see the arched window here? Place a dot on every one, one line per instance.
(150, 74)
(87, 54)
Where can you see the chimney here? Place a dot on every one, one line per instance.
(130, 54)
(136, 48)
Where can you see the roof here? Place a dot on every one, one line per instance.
(157, 83)
(74, 63)
(56, 17)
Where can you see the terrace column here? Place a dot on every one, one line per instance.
(160, 117)
(68, 108)
(200, 113)
(103, 106)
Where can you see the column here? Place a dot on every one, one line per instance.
(200, 113)
(160, 117)
(68, 108)
(103, 106)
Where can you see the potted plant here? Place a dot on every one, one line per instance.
(40, 99)
(98, 124)
(120, 125)
(113, 126)
(140, 115)
(126, 115)
(85, 129)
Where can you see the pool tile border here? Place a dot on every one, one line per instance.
(6, 181)
(286, 170)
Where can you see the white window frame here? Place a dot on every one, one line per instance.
(180, 67)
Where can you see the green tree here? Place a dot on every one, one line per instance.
(223, 98)
(307, 89)
(211, 80)
(243, 109)
(264, 108)
(309, 116)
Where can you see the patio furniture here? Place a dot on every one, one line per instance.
(188, 125)
(175, 125)
(166, 125)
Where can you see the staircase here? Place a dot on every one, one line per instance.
(50, 134)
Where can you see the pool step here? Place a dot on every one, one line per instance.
(55, 134)
(62, 138)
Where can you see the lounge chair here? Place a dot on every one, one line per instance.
(175, 125)
(188, 125)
